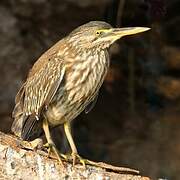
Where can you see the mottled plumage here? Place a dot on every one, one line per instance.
(65, 80)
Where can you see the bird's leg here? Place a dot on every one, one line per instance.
(50, 144)
(74, 154)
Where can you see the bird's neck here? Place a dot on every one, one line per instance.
(96, 60)
(87, 64)
(87, 57)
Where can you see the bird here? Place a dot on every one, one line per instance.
(65, 81)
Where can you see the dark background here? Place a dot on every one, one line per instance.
(136, 121)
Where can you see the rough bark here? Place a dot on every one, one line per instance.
(18, 163)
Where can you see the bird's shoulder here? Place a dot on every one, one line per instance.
(50, 55)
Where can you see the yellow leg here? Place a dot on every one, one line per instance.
(51, 145)
(67, 129)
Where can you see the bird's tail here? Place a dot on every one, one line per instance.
(26, 127)
(19, 120)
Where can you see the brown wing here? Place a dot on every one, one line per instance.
(36, 93)
(41, 87)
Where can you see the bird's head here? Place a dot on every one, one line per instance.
(100, 34)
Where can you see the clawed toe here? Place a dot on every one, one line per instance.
(76, 156)
(51, 147)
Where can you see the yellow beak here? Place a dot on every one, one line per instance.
(116, 33)
(120, 32)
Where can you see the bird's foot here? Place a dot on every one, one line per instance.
(32, 145)
(51, 147)
(76, 156)
(73, 157)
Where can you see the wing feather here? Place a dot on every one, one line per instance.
(37, 92)
(41, 87)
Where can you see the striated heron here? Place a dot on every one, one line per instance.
(64, 81)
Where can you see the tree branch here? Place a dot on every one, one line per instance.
(18, 163)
